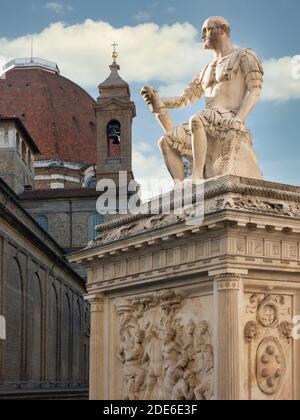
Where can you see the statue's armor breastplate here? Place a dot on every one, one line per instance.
(224, 82)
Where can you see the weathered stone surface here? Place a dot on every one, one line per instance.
(238, 271)
(41, 298)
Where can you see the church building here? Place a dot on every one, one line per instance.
(56, 141)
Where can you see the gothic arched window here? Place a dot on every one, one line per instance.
(114, 138)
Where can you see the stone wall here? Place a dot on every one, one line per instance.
(69, 220)
(47, 325)
(14, 171)
(41, 298)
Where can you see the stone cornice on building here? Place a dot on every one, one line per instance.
(59, 193)
(225, 185)
(247, 225)
(230, 194)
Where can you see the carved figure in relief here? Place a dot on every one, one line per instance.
(154, 358)
(184, 389)
(171, 350)
(189, 341)
(163, 356)
(134, 374)
(174, 375)
(205, 367)
(204, 335)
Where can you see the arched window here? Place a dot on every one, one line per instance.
(92, 182)
(18, 142)
(114, 139)
(96, 220)
(30, 161)
(24, 152)
(6, 137)
(43, 222)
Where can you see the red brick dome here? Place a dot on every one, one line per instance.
(57, 113)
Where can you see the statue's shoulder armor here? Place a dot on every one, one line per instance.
(251, 60)
(245, 58)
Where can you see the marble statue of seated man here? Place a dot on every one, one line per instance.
(216, 140)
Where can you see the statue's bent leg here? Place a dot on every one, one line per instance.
(172, 159)
(199, 146)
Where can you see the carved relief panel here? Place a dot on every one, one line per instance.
(165, 351)
(268, 346)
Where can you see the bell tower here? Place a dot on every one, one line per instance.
(115, 112)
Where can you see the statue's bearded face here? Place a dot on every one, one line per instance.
(212, 33)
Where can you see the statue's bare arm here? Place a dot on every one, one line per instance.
(159, 106)
(191, 94)
(249, 104)
(254, 72)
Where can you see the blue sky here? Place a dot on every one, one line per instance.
(271, 28)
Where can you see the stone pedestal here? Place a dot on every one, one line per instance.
(199, 312)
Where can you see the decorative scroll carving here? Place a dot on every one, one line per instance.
(270, 366)
(163, 356)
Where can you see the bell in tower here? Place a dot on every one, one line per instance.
(115, 112)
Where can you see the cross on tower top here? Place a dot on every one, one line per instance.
(115, 54)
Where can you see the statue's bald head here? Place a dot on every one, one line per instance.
(214, 28)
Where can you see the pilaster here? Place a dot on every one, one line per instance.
(228, 310)
(96, 347)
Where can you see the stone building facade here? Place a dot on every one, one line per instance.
(69, 216)
(46, 350)
(199, 309)
(48, 177)
(17, 153)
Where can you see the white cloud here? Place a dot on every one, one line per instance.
(58, 8)
(147, 51)
(150, 172)
(282, 79)
(170, 55)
